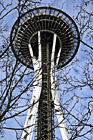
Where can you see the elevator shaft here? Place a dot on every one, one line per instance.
(45, 115)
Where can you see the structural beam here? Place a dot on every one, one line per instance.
(59, 114)
(32, 113)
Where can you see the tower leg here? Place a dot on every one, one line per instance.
(32, 113)
(60, 117)
(31, 116)
(59, 113)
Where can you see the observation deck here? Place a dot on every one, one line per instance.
(48, 21)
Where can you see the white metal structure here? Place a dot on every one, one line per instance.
(31, 40)
(33, 110)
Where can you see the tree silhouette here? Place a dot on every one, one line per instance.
(74, 81)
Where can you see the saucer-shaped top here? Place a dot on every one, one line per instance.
(48, 21)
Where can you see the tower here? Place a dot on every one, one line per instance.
(44, 39)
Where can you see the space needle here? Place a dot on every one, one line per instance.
(44, 39)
